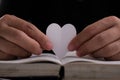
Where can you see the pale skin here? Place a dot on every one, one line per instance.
(20, 39)
(100, 39)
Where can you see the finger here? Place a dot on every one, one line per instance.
(4, 56)
(115, 57)
(12, 49)
(92, 30)
(20, 38)
(29, 29)
(99, 41)
(108, 50)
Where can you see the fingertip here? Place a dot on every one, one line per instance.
(49, 45)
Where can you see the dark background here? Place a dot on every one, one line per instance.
(43, 12)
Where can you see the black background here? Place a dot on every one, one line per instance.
(43, 12)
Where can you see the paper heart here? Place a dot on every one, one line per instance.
(60, 37)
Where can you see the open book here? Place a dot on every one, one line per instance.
(70, 57)
(62, 64)
(47, 65)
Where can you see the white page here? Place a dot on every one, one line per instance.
(35, 58)
(68, 58)
(72, 57)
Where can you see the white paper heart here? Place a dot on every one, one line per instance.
(60, 37)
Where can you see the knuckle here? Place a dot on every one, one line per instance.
(112, 49)
(29, 27)
(3, 20)
(109, 51)
(87, 49)
(18, 35)
(90, 30)
(109, 48)
(43, 39)
(101, 39)
(6, 17)
(2, 25)
(116, 47)
(114, 19)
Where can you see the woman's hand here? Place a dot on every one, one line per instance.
(19, 38)
(100, 39)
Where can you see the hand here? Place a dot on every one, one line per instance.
(19, 38)
(100, 39)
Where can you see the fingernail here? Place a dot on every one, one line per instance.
(49, 45)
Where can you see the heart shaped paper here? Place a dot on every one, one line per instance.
(60, 37)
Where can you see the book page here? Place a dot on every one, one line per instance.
(68, 58)
(35, 58)
(72, 57)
